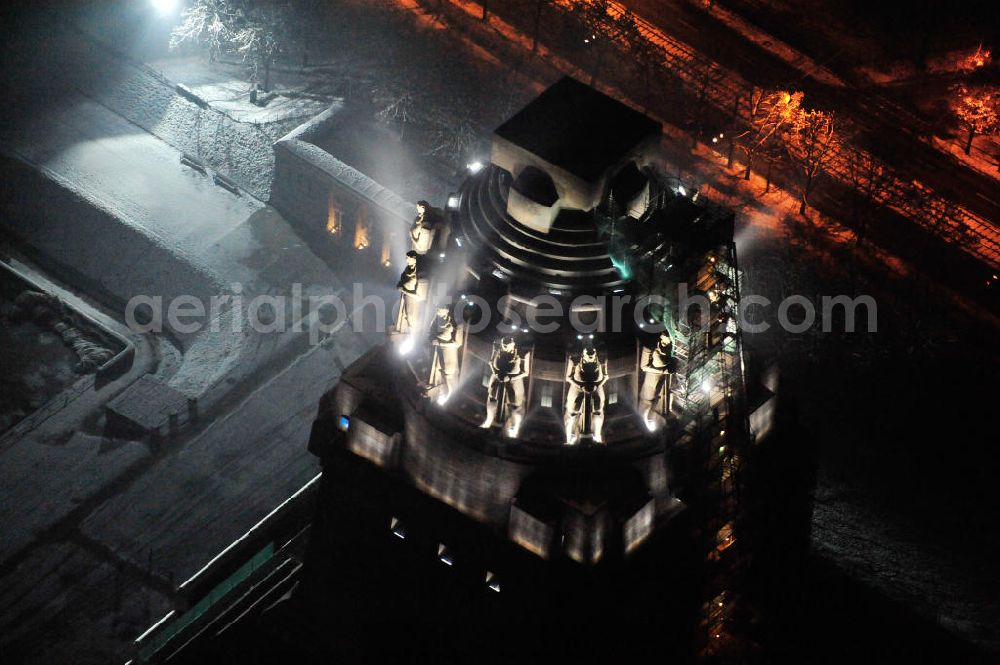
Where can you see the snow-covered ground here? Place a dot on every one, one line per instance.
(106, 204)
(224, 87)
(83, 66)
(195, 503)
(134, 176)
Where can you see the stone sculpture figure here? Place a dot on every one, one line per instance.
(585, 380)
(410, 296)
(656, 365)
(506, 389)
(423, 230)
(446, 341)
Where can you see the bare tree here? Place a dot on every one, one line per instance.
(939, 216)
(707, 75)
(208, 23)
(767, 115)
(600, 30)
(259, 41)
(257, 31)
(812, 143)
(395, 105)
(733, 128)
(976, 110)
(978, 59)
(453, 139)
(645, 57)
(871, 182)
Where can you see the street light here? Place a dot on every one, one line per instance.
(164, 7)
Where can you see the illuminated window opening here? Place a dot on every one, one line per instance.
(386, 257)
(361, 240)
(334, 216)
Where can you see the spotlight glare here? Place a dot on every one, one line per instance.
(406, 346)
(475, 167)
(164, 6)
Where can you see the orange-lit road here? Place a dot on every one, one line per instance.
(927, 186)
(891, 132)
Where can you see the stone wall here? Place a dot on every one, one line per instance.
(238, 150)
(308, 181)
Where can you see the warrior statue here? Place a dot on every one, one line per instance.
(654, 390)
(411, 294)
(423, 229)
(506, 389)
(446, 340)
(585, 378)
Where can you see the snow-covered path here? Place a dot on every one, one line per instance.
(133, 174)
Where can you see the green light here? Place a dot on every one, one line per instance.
(624, 271)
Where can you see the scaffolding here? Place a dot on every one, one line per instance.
(710, 396)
